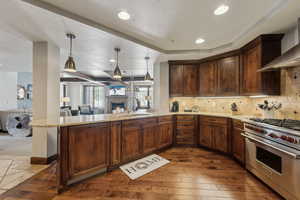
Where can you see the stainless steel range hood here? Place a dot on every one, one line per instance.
(291, 58)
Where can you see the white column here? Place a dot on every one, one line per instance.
(161, 87)
(46, 97)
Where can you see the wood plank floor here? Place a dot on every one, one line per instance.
(192, 174)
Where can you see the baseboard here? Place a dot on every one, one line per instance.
(42, 161)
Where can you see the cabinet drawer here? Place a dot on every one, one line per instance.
(149, 121)
(215, 120)
(185, 123)
(165, 119)
(131, 123)
(185, 132)
(185, 118)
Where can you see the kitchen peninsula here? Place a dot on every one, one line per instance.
(89, 145)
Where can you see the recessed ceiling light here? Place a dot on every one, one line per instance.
(199, 41)
(124, 15)
(112, 60)
(222, 9)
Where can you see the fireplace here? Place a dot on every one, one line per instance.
(114, 106)
(112, 102)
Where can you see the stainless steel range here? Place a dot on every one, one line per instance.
(273, 154)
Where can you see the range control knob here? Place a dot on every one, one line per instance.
(273, 135)
(291, 140)
(283, 137)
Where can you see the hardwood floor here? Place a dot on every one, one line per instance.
(192, 174)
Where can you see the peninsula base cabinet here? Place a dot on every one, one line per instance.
(214, 134)
(131, 145)
(142, 137)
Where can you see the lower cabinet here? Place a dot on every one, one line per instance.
(141, 137)
(150, 132)
(131, 140)
(115, 143)
(186, 129)
(84, 141)
(165, 132)
(213, 133)
(238, 141)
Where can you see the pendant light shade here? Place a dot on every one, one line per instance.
(70, 64)
(117, 72)
(147, 76)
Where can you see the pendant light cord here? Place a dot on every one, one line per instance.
(71, 46)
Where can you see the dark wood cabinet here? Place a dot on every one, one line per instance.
(207, 75)
(115, 143)
(165, 133)
(255, 55)
(183, 80)
(84, 141)
(228, 76)
(190, 80)
(186, 129)
(150, 133)
(206, 135)
(238, 141)
(213, 133)
(131, 139)
(176, 80)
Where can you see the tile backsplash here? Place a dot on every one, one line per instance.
(290, 100)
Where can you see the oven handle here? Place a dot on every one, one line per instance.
(295, 156)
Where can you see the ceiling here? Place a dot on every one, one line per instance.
(22, 23)
(162, 29)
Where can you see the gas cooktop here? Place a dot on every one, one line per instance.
(285, 123)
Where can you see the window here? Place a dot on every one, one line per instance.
(94, 96)
(143, 97)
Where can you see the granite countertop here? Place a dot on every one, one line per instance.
(90, 119)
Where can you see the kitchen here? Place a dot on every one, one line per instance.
(227, 123)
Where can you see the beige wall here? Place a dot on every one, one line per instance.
(290, 99)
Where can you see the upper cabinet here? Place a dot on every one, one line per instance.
(255, 55)
(183, 80)
(176, 80)
(207, 78)
(229, 74)
(190, 80)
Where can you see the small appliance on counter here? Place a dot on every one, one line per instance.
(175, 106)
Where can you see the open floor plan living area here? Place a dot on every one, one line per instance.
(149, 100)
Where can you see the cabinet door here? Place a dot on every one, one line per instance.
(176, 80)
(131, 143)
(220, 139)
(88, 148)
(228, 76)
(190, 80)
(165, 135)
(251, 79)
(206, 135)
(207, 79)
(149, 138)
(238, 145)
(115, 143)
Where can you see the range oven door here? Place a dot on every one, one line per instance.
(275, 164)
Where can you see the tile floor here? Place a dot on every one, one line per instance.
(16, 169)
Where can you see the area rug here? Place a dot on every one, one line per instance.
(143, 166)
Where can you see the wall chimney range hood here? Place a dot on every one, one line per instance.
(291, 58)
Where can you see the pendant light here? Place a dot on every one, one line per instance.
(70, 64)
(117, 72)
(147, 76)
